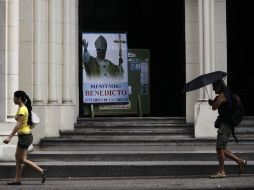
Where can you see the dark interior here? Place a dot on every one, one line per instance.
(240, 30)
(157, 26)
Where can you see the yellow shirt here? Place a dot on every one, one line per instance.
(25, 128)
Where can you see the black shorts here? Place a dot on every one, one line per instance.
(25, 140)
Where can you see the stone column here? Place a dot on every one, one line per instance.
(67, 49)
(9, 62)
(37, 60)
(54, 68)
(70, 64)
(74, 51)
(26, 46)
(212, 36)
(201, 44)
(206, 41)
(12, 54)
(3, 61)
(204, 115)
(53, 52)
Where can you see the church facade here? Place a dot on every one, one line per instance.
(40, 54)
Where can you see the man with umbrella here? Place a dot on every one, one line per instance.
(221, 103)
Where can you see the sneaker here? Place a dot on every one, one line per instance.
(44, 176)
(218, 175)
(242, 166)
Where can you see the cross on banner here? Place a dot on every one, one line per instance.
(120, 47)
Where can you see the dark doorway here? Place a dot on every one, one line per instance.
(240, 30)
(158, 26)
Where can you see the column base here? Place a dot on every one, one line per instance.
(204, 120)
(7, 151)
(52, 102)
(67, 101)
(38, 102)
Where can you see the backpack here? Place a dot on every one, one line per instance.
(236, 113)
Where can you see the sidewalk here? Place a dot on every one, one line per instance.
(245, 182)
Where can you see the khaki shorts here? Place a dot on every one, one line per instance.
(223, 134)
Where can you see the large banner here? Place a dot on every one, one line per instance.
(105, 68)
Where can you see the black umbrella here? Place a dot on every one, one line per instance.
(204, 80)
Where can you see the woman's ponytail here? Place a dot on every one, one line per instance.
(28, 104)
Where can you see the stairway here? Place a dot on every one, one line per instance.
(126, 130)
(136, 130)
(129, 147)
(245, 131)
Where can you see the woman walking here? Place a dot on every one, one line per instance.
(25, 137)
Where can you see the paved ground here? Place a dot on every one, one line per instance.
(146, 183)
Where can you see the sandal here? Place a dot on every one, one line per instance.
(14, 183)
(43, 176)
(218, 175)
(242, 166)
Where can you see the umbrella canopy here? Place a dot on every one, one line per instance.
(204, 80)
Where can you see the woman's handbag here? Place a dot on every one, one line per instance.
(35, 119)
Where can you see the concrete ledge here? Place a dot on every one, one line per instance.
(7, 151)
(204, 121)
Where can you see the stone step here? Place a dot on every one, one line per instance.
(244, 129)
(76, 139)
(137, 128)
(130, 130)
(112, 132)
(136, 140)
(61, 169)
(145, 129)
(133, 119)
(179, 133)
(120, 124)
(243, 136)
(78, 156)
(248, 120)
(130, 137)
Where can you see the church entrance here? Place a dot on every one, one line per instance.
(166, 43)
(240, 30)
